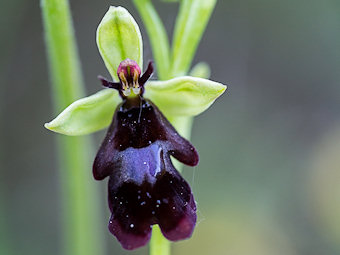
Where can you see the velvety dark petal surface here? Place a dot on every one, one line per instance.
(177, 211)
(144, 187)
(129, 240)
(138, 124)
(163, 198)
(131, 213)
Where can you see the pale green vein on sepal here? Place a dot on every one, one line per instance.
(119, 38)
(86, 115)
(183, 96)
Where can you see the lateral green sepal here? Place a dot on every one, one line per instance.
(86, 115)
(183, 96)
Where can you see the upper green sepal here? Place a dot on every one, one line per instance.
(183, 96)
(86, 115)
(119, 38)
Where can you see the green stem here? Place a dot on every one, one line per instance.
(158, 244)
(81, 233)
(158, 37)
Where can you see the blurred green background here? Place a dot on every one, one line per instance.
(269, 177)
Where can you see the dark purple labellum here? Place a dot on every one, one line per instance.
(144, 187)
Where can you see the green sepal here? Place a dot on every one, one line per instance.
(119, 38)
(86, 115)
(183, 96)
(179, 97)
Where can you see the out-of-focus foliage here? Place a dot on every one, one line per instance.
(323, 186)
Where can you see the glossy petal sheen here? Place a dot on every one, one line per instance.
(144, 187)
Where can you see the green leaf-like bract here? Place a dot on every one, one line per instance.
(86, 115)
(119, 38)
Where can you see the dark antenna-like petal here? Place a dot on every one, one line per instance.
(109, 84)
(146, 75)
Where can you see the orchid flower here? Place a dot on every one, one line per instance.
(144, 186)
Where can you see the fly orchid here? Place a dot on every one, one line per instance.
(144, 186)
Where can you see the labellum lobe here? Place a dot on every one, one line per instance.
(144, 187)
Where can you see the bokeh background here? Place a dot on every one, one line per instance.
(269, 177)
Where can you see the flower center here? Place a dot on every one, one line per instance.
(129, 74)
(127, 86)
(131, 83)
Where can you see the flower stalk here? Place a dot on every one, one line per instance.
(81, 233)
